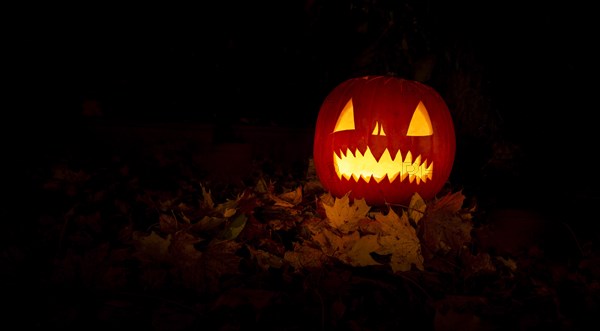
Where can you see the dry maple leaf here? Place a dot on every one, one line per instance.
(208, 223)
(444, 229)
(167, 223)
(476, 265)
(151, 247)
(305, 257)
(450, 203)
(359, 254)
(182, 250)
(264, 259)
(416, 208)
(351, 249)
(345, 216)
(233, 227)
(331, 243)
(288, 199)
(399, 239)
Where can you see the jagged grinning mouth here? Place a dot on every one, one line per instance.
(356, 165)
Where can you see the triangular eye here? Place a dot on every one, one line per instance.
(346, 119)
(420, 124)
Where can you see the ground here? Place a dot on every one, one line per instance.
(118, 234)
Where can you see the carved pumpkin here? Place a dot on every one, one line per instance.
(383, 139)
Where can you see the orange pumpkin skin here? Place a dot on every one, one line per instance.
(372, 118)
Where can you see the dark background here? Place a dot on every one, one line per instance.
(519, 77)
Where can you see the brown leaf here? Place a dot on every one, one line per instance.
(253, 230)
(291, 198)
(476, 265)
(264, 259)
(444, 229)
(450, 203)
(223, 258)
(218, 260)
(151, 247)
(369, 226)
(208, 223)
(247, 202)
(182, 249)
(207, 200)
(168, 223)
(305, 257)
(233, 227)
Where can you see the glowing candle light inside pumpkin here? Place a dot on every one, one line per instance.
(379, 137)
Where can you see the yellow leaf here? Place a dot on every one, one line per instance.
(327, 199)
(359, 254)
(399, 239)
(345, 216)
(416, 208)
(329, 242)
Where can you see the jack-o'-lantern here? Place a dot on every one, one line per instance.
(382, 139)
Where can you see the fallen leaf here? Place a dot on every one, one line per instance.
(346, 216)
(151, 247)
(399, 239)
(359, 254)
(292, 197)
(305, 257)
(233, 229)
(445, 230)
(416, 208)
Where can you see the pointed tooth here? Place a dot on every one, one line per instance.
(408, 159)
(417, 162)
(393, 176)
(403, 176)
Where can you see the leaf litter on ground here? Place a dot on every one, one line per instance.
(282, 246)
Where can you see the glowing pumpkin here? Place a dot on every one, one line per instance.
(383, 139)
